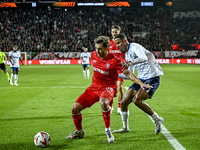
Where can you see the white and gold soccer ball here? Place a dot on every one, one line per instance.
(42, 139)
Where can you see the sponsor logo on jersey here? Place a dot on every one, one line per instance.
(94, 61)
(115, 51)
(100, 71)
(109, 89)
(107, 65)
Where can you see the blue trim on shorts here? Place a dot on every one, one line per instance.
(15, 68)
(155, 82)
(85, 65)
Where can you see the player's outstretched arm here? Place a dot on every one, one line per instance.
(135, 79)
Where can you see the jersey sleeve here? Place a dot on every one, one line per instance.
(119, 65)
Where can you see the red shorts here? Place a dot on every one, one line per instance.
(93, 95)
(119, 79)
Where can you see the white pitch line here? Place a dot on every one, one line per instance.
(172, 140)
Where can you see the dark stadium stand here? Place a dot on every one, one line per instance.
(56, 30)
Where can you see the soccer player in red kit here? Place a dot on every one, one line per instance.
(113, 49)
(103, 87)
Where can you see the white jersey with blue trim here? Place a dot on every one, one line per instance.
(85, 56)
(144, 61)
(14, 58)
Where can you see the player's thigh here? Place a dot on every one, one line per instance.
(120, 83)
(13, 69)
(141, 95)
(88, 97)
(106, 96)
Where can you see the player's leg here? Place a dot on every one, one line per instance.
(84, 71)
(120, 93)
(16, 77)
(81, 103)
(88, 72)
(12, 75)
(106, 98)
(77, 119)
(7, 75)
(126, 100)
(139, 102)
(3, 67)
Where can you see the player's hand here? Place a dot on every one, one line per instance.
(126, 64)
(143, 86)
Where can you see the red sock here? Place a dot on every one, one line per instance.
(119, 104)
(77, 118)
(106, 117)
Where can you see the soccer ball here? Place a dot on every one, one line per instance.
(42, 139)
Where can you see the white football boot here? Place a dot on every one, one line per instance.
(110, 137)
(158, 125)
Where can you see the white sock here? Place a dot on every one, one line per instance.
(16, 78)
(88, 73)
(11, 77)
(124, 116)
(84, 73)
(155, 116)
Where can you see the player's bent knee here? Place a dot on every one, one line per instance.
(76, 108)
(137, 102)
(104, 103)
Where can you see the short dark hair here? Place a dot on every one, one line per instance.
(103, 40)
(116, 27)
(121, 36)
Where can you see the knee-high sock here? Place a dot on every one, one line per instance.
(155, 116)
(16, 78)
(124, 116)
(11, 79)
(77, 118)
(88, 73)
(106, 117)
(84, 73)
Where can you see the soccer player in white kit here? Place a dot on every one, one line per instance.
(86, 59)
(14, 57)
(149, 72)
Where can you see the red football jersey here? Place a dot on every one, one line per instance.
(105, 70)
(113, 49)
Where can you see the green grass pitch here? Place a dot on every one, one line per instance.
(45, 95)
